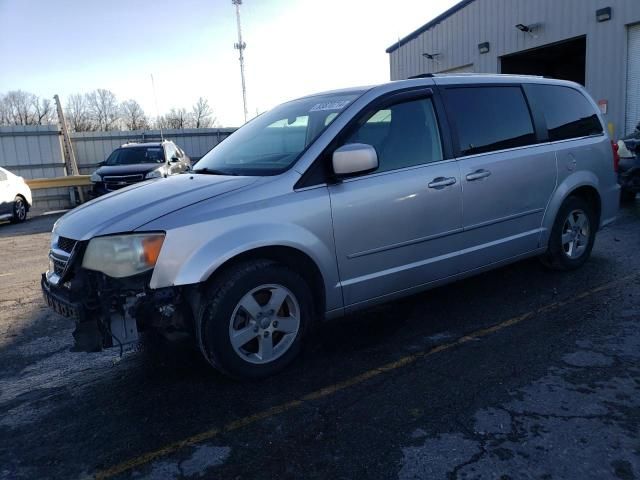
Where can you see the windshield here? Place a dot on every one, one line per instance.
(134, 155)
(272, 142)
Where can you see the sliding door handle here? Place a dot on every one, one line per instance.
(478, 174)
(442, 182)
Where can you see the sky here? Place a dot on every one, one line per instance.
(294, 48)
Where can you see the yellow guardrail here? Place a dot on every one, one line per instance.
(70, 181)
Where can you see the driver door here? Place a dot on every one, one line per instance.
(397, 228)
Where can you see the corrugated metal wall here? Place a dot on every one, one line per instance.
(94, 147)
(36, 152)
(456, 38)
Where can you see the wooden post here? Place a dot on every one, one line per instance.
(69, 155)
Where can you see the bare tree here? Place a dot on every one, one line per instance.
(77, 113)
(98, 110)
(43, 111)
(4, 111)
(104, 110)
(19, 107)
(161, 122)
(133, 115)
(177, 118)
(202, 114)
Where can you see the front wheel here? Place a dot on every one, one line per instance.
(572, 236)
(19, 210)
(253, 319)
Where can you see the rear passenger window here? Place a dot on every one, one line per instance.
(567, 112)
(490, 118)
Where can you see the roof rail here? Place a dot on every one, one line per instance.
(422, 75)
(473, 74)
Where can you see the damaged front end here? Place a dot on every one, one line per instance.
(108, 311)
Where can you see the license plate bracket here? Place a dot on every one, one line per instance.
(61, 307)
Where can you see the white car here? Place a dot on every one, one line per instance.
(15, 197)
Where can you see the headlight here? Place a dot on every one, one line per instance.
(157, 173)
(123, 255)
(95, 177)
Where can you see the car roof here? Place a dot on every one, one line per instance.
(449, 78)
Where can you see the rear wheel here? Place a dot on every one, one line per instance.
(254, 319)
(572, 236)
(19, 210)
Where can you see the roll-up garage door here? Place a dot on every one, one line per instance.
(633, 79)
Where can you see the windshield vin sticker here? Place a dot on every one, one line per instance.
(329, 106)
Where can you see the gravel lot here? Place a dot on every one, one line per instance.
(517, 373)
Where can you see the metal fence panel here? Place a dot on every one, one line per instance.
(36, 152)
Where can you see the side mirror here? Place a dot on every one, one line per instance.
(354, 158)
(174, 159)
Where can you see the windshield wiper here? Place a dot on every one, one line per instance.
(212, 171)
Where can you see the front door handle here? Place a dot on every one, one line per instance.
(442, 182)
(478, 174)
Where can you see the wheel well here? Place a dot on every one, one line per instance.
(591, 196)
(296, 260)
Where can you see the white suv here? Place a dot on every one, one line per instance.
(15, 197)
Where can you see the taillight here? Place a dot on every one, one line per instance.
(616, 156)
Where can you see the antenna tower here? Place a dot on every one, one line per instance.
(240, 46)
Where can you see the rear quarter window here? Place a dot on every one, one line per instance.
(567, 111)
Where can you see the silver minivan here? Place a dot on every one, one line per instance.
(336, 202)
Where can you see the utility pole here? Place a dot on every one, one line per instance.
(240, 46)
(69, 155)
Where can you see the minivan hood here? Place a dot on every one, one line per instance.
(141, 168)
(132, 207)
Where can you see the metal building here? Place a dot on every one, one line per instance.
(593, 42)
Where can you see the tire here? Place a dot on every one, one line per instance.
(572, 253)
(222, 314)
(20, 209)
(627, 195)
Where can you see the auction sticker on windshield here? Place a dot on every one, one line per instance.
(329, 106)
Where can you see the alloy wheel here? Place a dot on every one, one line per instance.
(576, 234)
(264, 324)
(20, 209)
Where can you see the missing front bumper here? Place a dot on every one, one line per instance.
(95, 329)
(112, 313)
